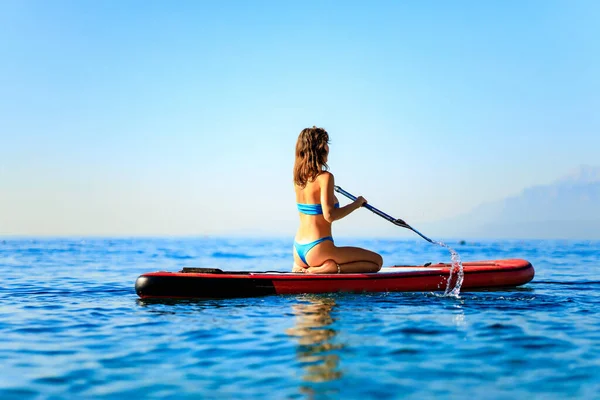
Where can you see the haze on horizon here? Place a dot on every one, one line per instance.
(158, 118)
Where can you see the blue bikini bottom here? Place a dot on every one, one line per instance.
(303, 249)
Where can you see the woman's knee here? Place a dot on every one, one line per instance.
(372, 267)
(378, 259)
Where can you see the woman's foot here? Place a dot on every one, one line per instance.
(298, 269)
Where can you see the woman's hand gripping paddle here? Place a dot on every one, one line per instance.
(395, 221)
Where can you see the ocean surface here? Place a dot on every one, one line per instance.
(71, 326)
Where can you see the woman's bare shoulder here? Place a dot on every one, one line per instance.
(325, 180)
(325, 176)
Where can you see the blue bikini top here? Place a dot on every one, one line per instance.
(313, 209)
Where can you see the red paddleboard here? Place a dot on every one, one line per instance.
(215, 283)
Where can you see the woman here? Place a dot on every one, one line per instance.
(314, 249)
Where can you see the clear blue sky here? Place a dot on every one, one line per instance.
(157, 117)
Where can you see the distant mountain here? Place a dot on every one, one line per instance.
(568, 208)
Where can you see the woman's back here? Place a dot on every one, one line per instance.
(310, 194)
(312, 222)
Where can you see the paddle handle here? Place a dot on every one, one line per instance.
(383, 215)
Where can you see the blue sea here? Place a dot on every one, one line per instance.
(71, 326)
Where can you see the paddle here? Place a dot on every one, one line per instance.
(393, 220)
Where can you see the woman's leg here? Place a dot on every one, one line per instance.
(350, 259)
(327, 267)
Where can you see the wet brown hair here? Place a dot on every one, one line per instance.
(310, 155)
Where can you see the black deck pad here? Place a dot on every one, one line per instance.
(193, 270)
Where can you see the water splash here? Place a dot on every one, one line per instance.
(453, 291)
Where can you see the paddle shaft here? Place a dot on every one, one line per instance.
(383, 215)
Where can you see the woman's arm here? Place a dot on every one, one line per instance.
(330, 213)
